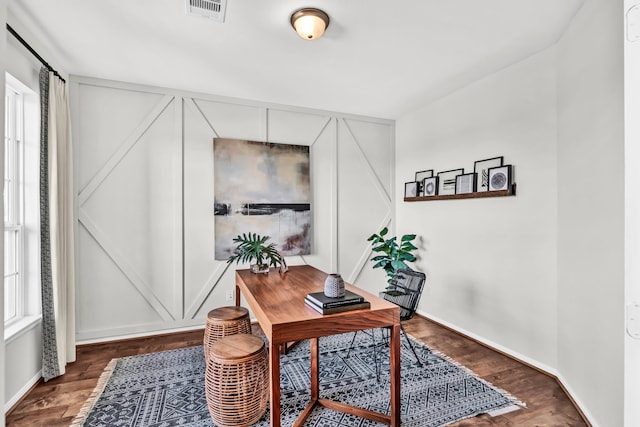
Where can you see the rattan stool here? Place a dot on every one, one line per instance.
(224, 321)
(237, 380)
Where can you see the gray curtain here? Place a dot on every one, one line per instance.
(49, 349)
(56, 227)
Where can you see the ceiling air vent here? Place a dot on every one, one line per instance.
(213, 9)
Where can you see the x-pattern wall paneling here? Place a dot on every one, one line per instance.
(144, 184)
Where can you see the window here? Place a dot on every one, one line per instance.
(13, 277)
(21, 208)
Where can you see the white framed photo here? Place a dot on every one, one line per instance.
(500, 178)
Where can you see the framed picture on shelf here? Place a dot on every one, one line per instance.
(466, 183)
(420, 176)
(481, 168)
(447, 181)
(430, 186)
(500, 178)
(411, 189)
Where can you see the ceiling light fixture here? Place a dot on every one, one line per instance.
(309, 22)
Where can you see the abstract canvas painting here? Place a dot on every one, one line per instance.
(262, 188)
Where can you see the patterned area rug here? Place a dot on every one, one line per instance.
(167, 388)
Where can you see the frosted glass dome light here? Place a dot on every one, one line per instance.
(310, 23)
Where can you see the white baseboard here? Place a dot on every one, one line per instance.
(577, 401)
(521, 358)
(139, 335)
(16, 398)
(24, 390)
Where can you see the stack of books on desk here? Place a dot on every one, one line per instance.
(327, 305)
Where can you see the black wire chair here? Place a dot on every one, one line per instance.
(404, 290)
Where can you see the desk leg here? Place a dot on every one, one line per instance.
(274, 372)
(315, 369)
(237, 296)
(394, 366)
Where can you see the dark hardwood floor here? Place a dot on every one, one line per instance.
(547, 403)
(56, 403)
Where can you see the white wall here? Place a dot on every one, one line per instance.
(591, 210)
(144, 179)
(23, 360)
(23, 364)
(552, 136)
(3, 55)
(632, 220)
(540, 275)
(490, 263)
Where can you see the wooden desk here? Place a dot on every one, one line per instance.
(277, 300)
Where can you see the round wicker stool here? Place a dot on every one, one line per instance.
(224, 321)
(237, 380)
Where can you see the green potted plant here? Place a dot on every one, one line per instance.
(391, 255)
(253, 248)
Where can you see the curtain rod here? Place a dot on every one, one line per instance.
(33, 52)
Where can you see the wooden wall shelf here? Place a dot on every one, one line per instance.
(476, 195)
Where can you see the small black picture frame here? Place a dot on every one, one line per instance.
(411, 189)
(500, 178)
(466, 183)
(481, 167)
(420, 176)
(447, 181)
(430, 186)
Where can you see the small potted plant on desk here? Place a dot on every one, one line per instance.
(251, 247)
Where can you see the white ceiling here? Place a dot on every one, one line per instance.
(378, 58)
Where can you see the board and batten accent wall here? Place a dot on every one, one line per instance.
(144, 183)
